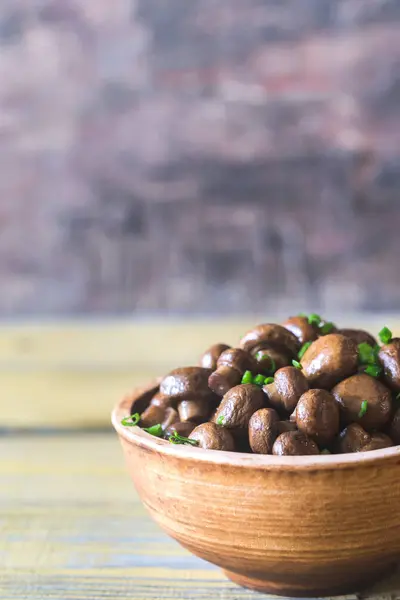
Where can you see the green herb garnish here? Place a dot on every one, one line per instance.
(397, 398)
(221, 420)
(363, 409)
(385, 335)
(247, 377)
(155, 430)
(326, 328)
(302, 315)
(180, 439)
(314, 319)
(268, 380)
(296, 364)
(366, 354)
(303, 349)
(325, 451)
(131, 421)
(259, 380)
(262, 355)
(373, 370)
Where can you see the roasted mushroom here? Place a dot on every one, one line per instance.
(302, 329)
(270, 335)
(364, 400)
(153, 415)
(184, 429)
(269, 360)
(288, 385)
(284, 426)
(210, 357)
(187, 383)
(197, 411)
(329, 359)
(317, 415)
(389, 357)
(237, 407)
(394, 429)
(359, 336)
(263, 430)
(213, 437)
(231, 366)
(352, 439)
(377, 442)
(160, 400)
(294, 443)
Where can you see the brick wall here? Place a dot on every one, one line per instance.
(202, 156)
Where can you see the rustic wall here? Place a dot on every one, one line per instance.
(200, 156)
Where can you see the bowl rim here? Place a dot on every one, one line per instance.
(142, 439)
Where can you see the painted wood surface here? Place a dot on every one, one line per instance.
(72, 528)
(70, 374)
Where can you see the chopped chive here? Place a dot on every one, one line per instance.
(180, 439)
(326, 451)
(366, 354)
(260, 355)
(247, 377)
(268, 380)
(273, 365)
(155, 430)
(373, 370)
(376, 350)
(326, 328)
(363, 409)
(296, 364)
(221, 420)
(398, 397)
(131, 421)
(259, 380)
(303, 349)
(385, 335)
(314, 319)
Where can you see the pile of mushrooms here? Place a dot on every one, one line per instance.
(304, 387)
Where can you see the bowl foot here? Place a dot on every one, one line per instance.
(281, 588)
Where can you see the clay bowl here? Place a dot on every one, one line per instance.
(296, 526)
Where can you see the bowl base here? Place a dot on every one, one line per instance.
(310, 591)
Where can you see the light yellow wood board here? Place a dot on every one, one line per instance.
(72, 527)
(70, 374)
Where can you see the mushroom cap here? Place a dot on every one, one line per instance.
(352, 439)
(271, 335)
(160, 400)
(318, 416)
(184, 429)
(170, 416)
(197, 411)
(350, 394)
(389, 357)
(210, 357)
(394, 430)
(294, 443)
(377, 442)
(268, 360)
(301, 328)
(223, 379)
(153, 415)
(330, 359)
(213, 437)
(359, 336)
(237, 359)
(263, 430)
(238, 405)
(187, 383)
(290, 384)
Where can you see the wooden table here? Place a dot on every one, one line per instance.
(72, 528)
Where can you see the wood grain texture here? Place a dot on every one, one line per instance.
(86, 366)
(72, 528)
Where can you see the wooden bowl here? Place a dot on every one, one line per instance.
(296, 526)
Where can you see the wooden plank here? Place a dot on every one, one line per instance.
(72, 527)
(70, 374)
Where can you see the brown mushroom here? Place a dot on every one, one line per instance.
(329, 359)
(352, 439)
(270, 335)
(197, 411)
(184, 429)
(187, 383)
(394, 429)
(389, 357)
(160, 400)
(269, 360)
(364, 400)
(317, 415)
(263, 430)
(294, 443)
(284, 426)
(170, 416)
(359, 336)
(288, 385)
(377, 442)
(302, 329)
(237, 407)
(210, 357)
(213, 437)
(153, 415)
(231, 366)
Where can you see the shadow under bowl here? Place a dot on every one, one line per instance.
(295, 526)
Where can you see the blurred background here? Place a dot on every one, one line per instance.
(193, 159)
